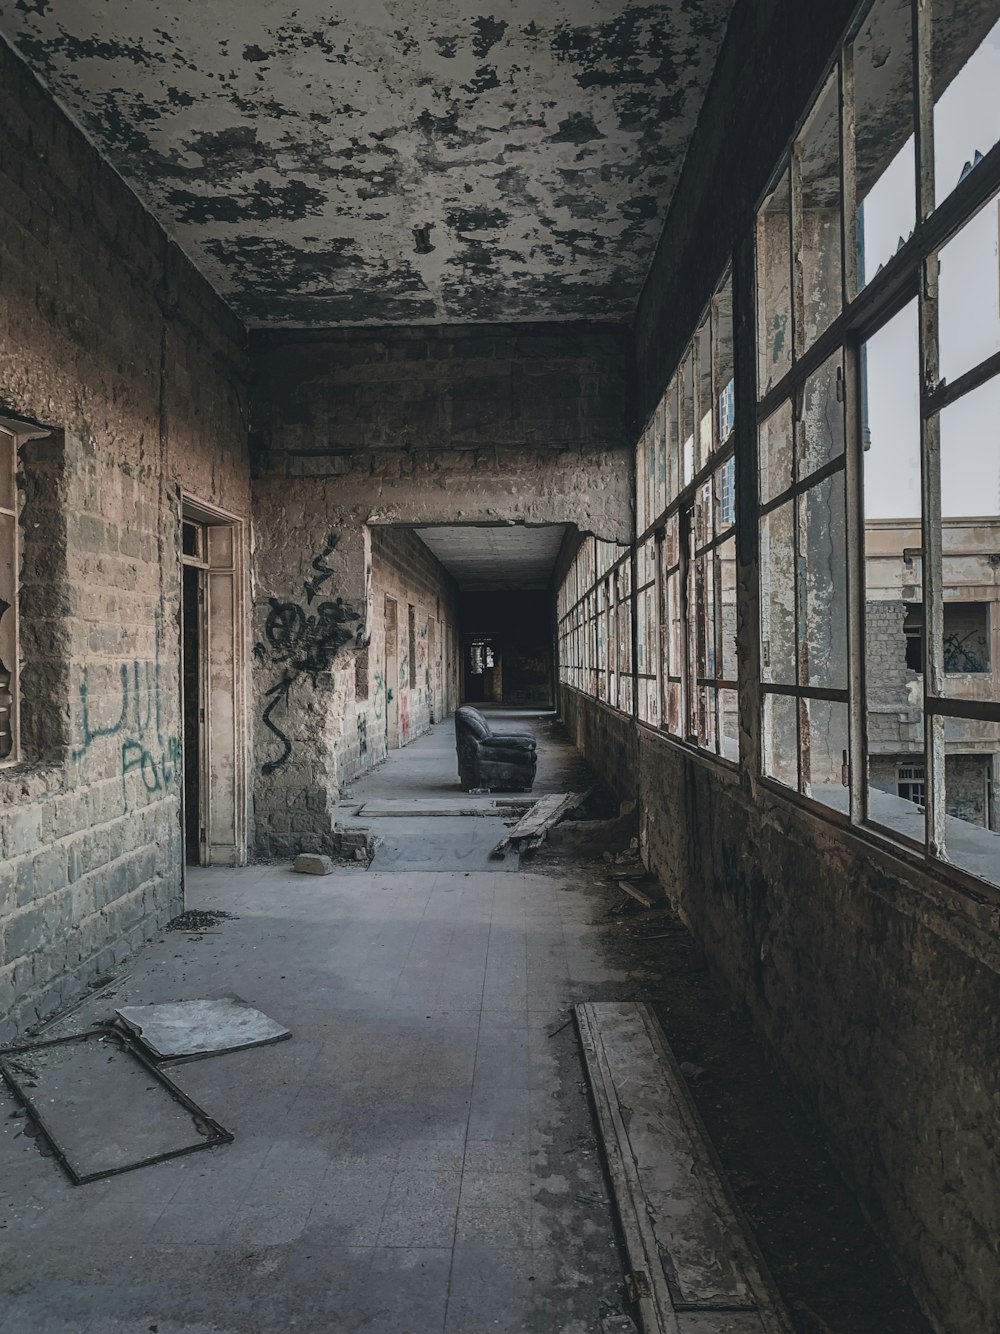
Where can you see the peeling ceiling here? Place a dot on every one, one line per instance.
(484, 559)
(391, 161)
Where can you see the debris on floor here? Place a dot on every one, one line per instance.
(102, 1107)
(313, 863)
(531, 830)
(198, 919)
(186, 1030)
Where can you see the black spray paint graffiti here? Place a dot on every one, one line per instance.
(301, 643)
(138, 725)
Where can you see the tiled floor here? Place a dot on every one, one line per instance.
(420, 1156)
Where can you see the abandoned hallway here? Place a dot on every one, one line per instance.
(568, 426)
(421, 1154)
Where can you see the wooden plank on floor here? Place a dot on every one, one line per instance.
(545, 813)
(695, 1266)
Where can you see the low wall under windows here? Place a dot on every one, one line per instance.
(874, 984)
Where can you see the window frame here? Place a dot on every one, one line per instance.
(911, 273)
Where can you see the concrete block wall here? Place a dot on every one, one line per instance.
(110, 340)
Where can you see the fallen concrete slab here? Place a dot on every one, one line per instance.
(695, 1267)
(185, 1030)
(441, 806)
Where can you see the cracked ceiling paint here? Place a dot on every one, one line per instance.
(392, 161)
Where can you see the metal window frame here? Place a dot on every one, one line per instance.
(913, 272)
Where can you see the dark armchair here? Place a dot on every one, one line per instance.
(502, 762)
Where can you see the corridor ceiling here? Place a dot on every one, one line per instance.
(391, 161)
(484, 559)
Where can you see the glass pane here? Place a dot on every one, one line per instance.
(777, 589)
(774, 286)
(776, 453)
(969, 294)
(659, 463)
(672, 717)
(894, 627)
(649, 701)
(886, 165)
(890, 393)
(781, 745)
(672, 627)
(822, 207)
(705, 397)
(972, 800)
(970, 541)
(706, 705)
(822, 434)
(729, 725)
(825, 751)
(724, 362)
(965, 64)
(687, 389)
(725, 576)
(823, 584)
(702, 606)
(671, 426)
(725, 496)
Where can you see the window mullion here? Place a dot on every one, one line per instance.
(856, 584)
(930, 473)
(924, 107)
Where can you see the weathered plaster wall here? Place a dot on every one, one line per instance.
(538, 439)
(109, 337)
(323, 687)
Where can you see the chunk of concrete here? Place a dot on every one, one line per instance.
(313, 863)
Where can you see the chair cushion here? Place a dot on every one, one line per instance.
(472, 722)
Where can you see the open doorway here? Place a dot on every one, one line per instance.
(212, 666)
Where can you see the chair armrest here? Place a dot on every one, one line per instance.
(521, 739)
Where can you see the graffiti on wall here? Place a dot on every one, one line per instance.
(404, 718)
(362, 735)
(377, 700)
(135, 721)
(301, 642)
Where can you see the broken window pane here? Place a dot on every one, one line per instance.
(969, 294)
(884, 139)
(893, 572)
(729, 725)
(777, 586)
(965, 68)
(822, 208)
(781, 744)
(774, 286)
(967, 638)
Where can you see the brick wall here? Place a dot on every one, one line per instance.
(110, 339)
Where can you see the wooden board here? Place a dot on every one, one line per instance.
(695, 1266)
(545, 813)
(437, 806)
